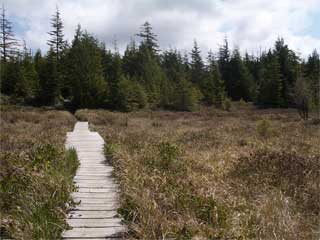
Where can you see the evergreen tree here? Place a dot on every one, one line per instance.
(240, 81)
(49, 87)
(89, 88)
(197, 66)
(172, 65)
(114, 77)
(149, 39)
(150, 75)
(130, 60)
(270, 88)
(29, 78)
(10, 75)
(132, 95)
(213, 87)
(312, 73)
(224, 66)
(186, 96)
(56, 43)
(288, 63)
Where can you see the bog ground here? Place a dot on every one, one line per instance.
(246, 173)
(243, 174)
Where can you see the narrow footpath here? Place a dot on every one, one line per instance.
(96, 215)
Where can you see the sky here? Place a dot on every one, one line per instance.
(251, 25)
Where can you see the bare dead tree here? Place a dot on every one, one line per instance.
(8, 43)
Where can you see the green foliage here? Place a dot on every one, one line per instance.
(10, 75)
(242, 102)
(197, 66)
(149, 39)
(213, 88)
(132, 95)
(264, 128)
(270, 90)
(312, 78)
(89, 88)
(35, 191)
(241, 81)
(303, 97)
(168, 155)
(150, 76)
(227, 104)
(49, 84)
(186, 97)
(109, 150)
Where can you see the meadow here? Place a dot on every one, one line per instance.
(36, 172)
(246, 173)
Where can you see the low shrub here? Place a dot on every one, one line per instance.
(227, 104)
(263, 128)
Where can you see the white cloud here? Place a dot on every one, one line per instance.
(249, 24)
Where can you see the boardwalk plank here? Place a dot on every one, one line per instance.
(95, 217)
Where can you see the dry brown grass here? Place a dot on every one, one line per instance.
(36, 173)
(244, 174)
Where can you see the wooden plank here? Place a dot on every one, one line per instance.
(94, 232)
(93, 214)
(95, 217)
(98, 181)
(92, 177)
(99, 195)
(94, 222)
(97, 201)
(97, 190)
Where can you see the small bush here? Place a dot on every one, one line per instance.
(133, 96)
(226, 105)
(168, 154)
(242, 102)
(186, 97)
(263, 128)
(109, 150)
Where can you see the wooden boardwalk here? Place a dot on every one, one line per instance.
(96, 215)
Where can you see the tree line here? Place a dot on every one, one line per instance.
(85, 74)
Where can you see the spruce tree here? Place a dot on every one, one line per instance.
(89, 88)
(213, 87)
(224, 65)
(149, 39)
(30, 77)
(114, 77)
(289, 68)
(197, 66)
(312, 73)
(240, 79)
(49, 87)
(56, 43)
(271, 86)
(130, 59)
(150, 75)
(57, 46)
